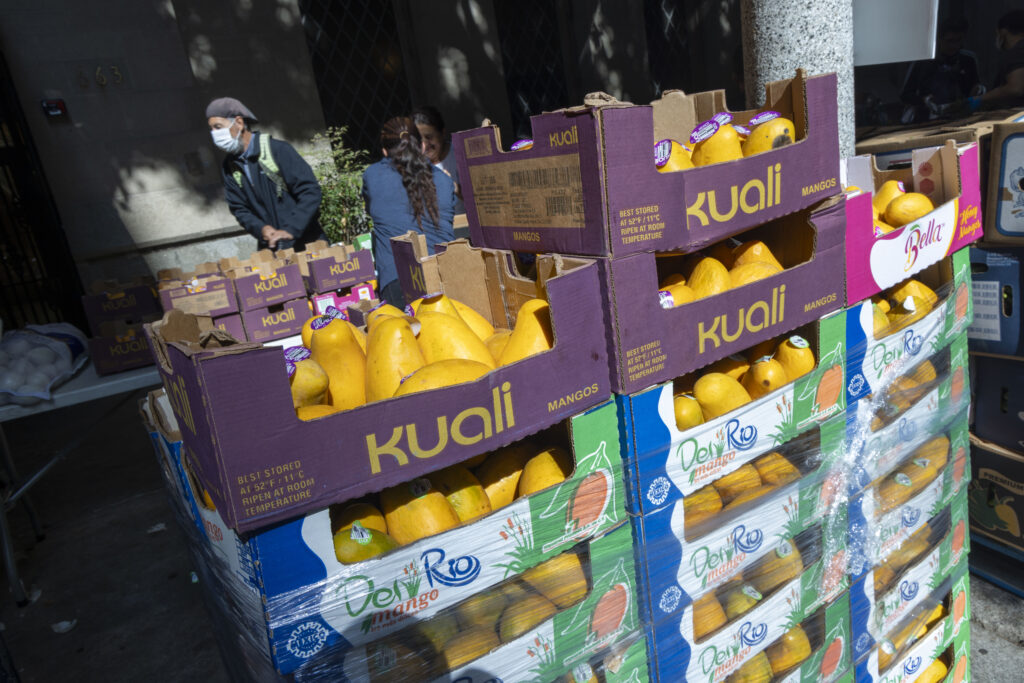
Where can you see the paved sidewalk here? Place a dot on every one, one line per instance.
(997, 634)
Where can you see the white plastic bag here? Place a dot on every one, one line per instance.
(36, 360)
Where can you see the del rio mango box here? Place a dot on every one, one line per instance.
(873, 363)
(665, 464)
(589, 184)
(262, 464)
(947, 175)
(314, 604)
(653, 343)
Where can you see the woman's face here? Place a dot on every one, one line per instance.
(433, 141)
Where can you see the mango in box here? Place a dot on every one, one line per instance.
(357, 543)
(531, 334)
(757, 669)
(769, 130)
(708, 616)
(443, 373)
(521, 616)
(670, 156)
(415, 510)
(789, 650)
(393, 355)
(717, 394)
(715, 143)
(463, 492)
(361, 513)
(764, 376)
(335, 348)
(500, 472)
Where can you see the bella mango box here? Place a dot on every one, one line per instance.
(315, 604)
(666, 464)
(948, 636)
(240, 447)
(877, 614)
(948, 176)
(654, 341)
(872, 363)
(589, 185)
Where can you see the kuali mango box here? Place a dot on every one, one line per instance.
(209, 294)
(948, 176)
(654, 341)
(884, 597)
(314, 605)
(939, 628)
(110, 301)
(664, 464)
(262, 464)
(277, 321)
(589, 184)
(330, 269)
(260, 284)
(872, 363)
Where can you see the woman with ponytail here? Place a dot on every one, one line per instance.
(404, 191)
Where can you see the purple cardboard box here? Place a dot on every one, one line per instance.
(232, 324)
(261, 285)
(654, 344)
(276, 322)
(589, 184)
(334, 268)
(109, 301)
(119, 347)
(262, 464)
(211, 295)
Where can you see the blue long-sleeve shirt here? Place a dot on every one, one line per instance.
(389, 207)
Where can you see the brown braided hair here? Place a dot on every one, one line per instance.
(401, 139)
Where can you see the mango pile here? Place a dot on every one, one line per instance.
(445, 499)
(717, 140)
(787, 652)
(901, 306)
(481, 623)
(894, 207)
(341, 367)
(721, 267)
(915, 630)
(746, 590)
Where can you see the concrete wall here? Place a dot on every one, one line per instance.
(132, 167)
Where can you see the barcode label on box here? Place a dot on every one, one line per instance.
(985, 297)
(529, 193)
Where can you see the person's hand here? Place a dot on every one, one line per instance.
(272, 235)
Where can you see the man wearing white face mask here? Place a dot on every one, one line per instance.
(270, 189)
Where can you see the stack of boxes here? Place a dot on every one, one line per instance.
(116, 312)
(814, 533)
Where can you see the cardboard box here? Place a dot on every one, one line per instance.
(551, 648)
(119, 347)
(878, 442)
(874, 616)
(341, 302)
(264, 280)
(232, 324)
(677, 656)
(243, 448)
(348, 605)
(999, 401)
(329, 269)
(679, 567)
(996, 494)
(653, 344)
(108, 301)
(211, 295)
(948, 176)
(830, 650)
(589, 184)
(276, 322)
(876, 533)
(664, 464)
(996, 289)
(168, 276)
(873, 363)
(1004, 204)
(946, 637)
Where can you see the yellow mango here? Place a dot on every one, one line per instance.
(481, 327)
(443, 373)
(708, 616)
(761, 349)
(924, 373)
(356, 543)
(382, 312)
(701, 505)
(796, 357)
(672, 279)
(481, 609)
(776, 568)
(437, 303)
(935, 452)
(723, 145)
(499, 473)
(307, 413)
(751, 272)
(496, 343)
(532, 333)
(466, 646)
(392, 355)
(905, 483)
(307, 330)
(741, 600)
(522, 616)
(882, 228)
(335, 347)
(909, 311)
(915, 288)
(309, 383)
(907, 208)
(681, 294)
(560, 579)
(733, 484)
(463, 491)
(709, 277)
(724, 252)
(688, 413)
(677, 157)
(936, 671)
(363, 513)
(446, 337)
(415, 510)
(775, 470)
(718, 394)
(755, 251)
(439, 629)
(789, 650)
(757, 669)
(734, 366)
(889, 190)
(549, 467)
(879, 321)
(772, 134)
(749, 495)
(764, 376)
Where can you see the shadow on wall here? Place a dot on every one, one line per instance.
(132, 167)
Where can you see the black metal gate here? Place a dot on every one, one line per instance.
(38, 279)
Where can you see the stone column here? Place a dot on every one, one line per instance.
(780, 36)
